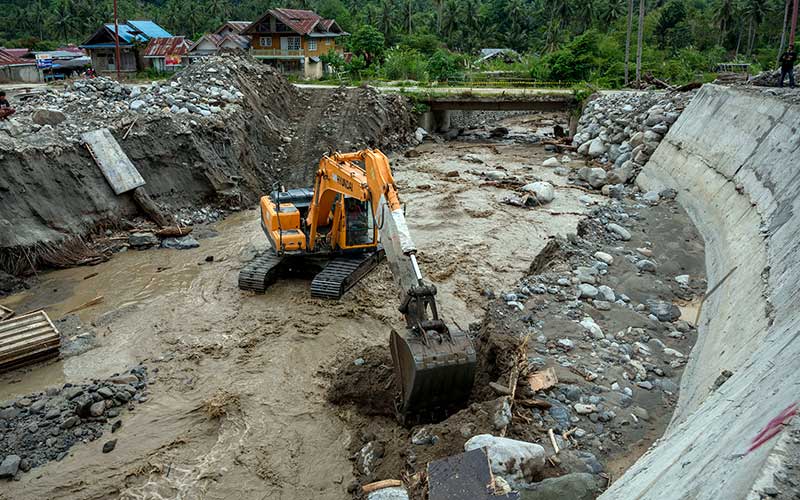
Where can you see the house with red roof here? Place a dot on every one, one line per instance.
(227, 37)
(167, 54)
(293, 40)
(13, 68)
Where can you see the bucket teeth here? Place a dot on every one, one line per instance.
(435, 377)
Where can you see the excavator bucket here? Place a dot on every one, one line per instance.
(435, 374)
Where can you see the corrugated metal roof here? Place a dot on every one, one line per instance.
(301, 21)
(238, 26)
(7, 59)
(140, 31)
(16, 52)
(150, 29)
(162, 47)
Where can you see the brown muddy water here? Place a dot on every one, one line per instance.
(199, 335)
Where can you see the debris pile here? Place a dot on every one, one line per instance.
(42, 427)
(621, 131)
(212, 87)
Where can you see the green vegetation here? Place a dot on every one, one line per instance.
(439, 40)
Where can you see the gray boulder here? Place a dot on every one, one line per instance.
(182, 243)
(138, 240)
(597, 148)
(577, 486)
(620, 231)
(664, 311)
(595, 177)
(9, 466)
(48, 117)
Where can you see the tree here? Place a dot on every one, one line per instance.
(640, 42)
(628, 43)
(369, 43)
(783, 30)
(724, 13)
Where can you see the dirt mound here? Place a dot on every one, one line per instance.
(221, 133)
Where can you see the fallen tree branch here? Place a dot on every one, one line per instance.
(379, 485)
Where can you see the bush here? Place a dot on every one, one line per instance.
(443, 66)
(405, 64)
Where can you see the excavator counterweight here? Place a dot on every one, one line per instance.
(354, 217)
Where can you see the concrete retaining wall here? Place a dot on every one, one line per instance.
(734, 157)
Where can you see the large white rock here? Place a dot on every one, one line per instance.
(509, 457)
(551, 162)
(543, 191)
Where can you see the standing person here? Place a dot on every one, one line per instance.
(787, 65)
(5, 108)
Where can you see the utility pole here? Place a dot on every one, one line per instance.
(116, 40)
(794, 22)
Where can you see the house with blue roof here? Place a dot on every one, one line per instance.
(134, 37)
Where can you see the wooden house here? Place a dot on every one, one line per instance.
(134, 37)
(226, 37)
(293, 40)
(168, 55)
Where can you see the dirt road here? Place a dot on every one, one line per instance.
(202, 338)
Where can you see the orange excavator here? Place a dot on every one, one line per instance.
(341, 230)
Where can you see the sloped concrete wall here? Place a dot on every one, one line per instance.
(734, 157)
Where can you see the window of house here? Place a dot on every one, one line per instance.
(294, 43)
(312, 45)
(280, 27)
(266, 41)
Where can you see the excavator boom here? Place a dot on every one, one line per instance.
(434, 364)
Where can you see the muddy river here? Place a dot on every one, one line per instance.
(200, 336)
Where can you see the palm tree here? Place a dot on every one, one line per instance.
(218, 10)
(724, 15)
(37, 11)
(639, 43)
(628, 43)
(62, 18)
(755, 11)
(612, 10)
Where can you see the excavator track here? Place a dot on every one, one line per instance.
(342, 273)
(260, 273)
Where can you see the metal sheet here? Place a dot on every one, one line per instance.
(464, 476)
(5, 313)
(112, 160)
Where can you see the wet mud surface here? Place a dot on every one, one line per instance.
(266, 364)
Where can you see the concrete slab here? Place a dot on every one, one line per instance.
(112, 160)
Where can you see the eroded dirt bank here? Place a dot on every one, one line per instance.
(239, 386)
(221, 133)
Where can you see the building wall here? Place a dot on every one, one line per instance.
(23, 74)
(323, 44)
(103, 60)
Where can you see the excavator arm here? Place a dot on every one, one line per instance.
(434, 364)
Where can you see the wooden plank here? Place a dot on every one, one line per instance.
(5, 313)
(112, 160)
(27, 339)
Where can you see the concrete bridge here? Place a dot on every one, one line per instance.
(442, 101)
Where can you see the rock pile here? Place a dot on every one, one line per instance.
(211, 87)
(620, 131)
(41, 427)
